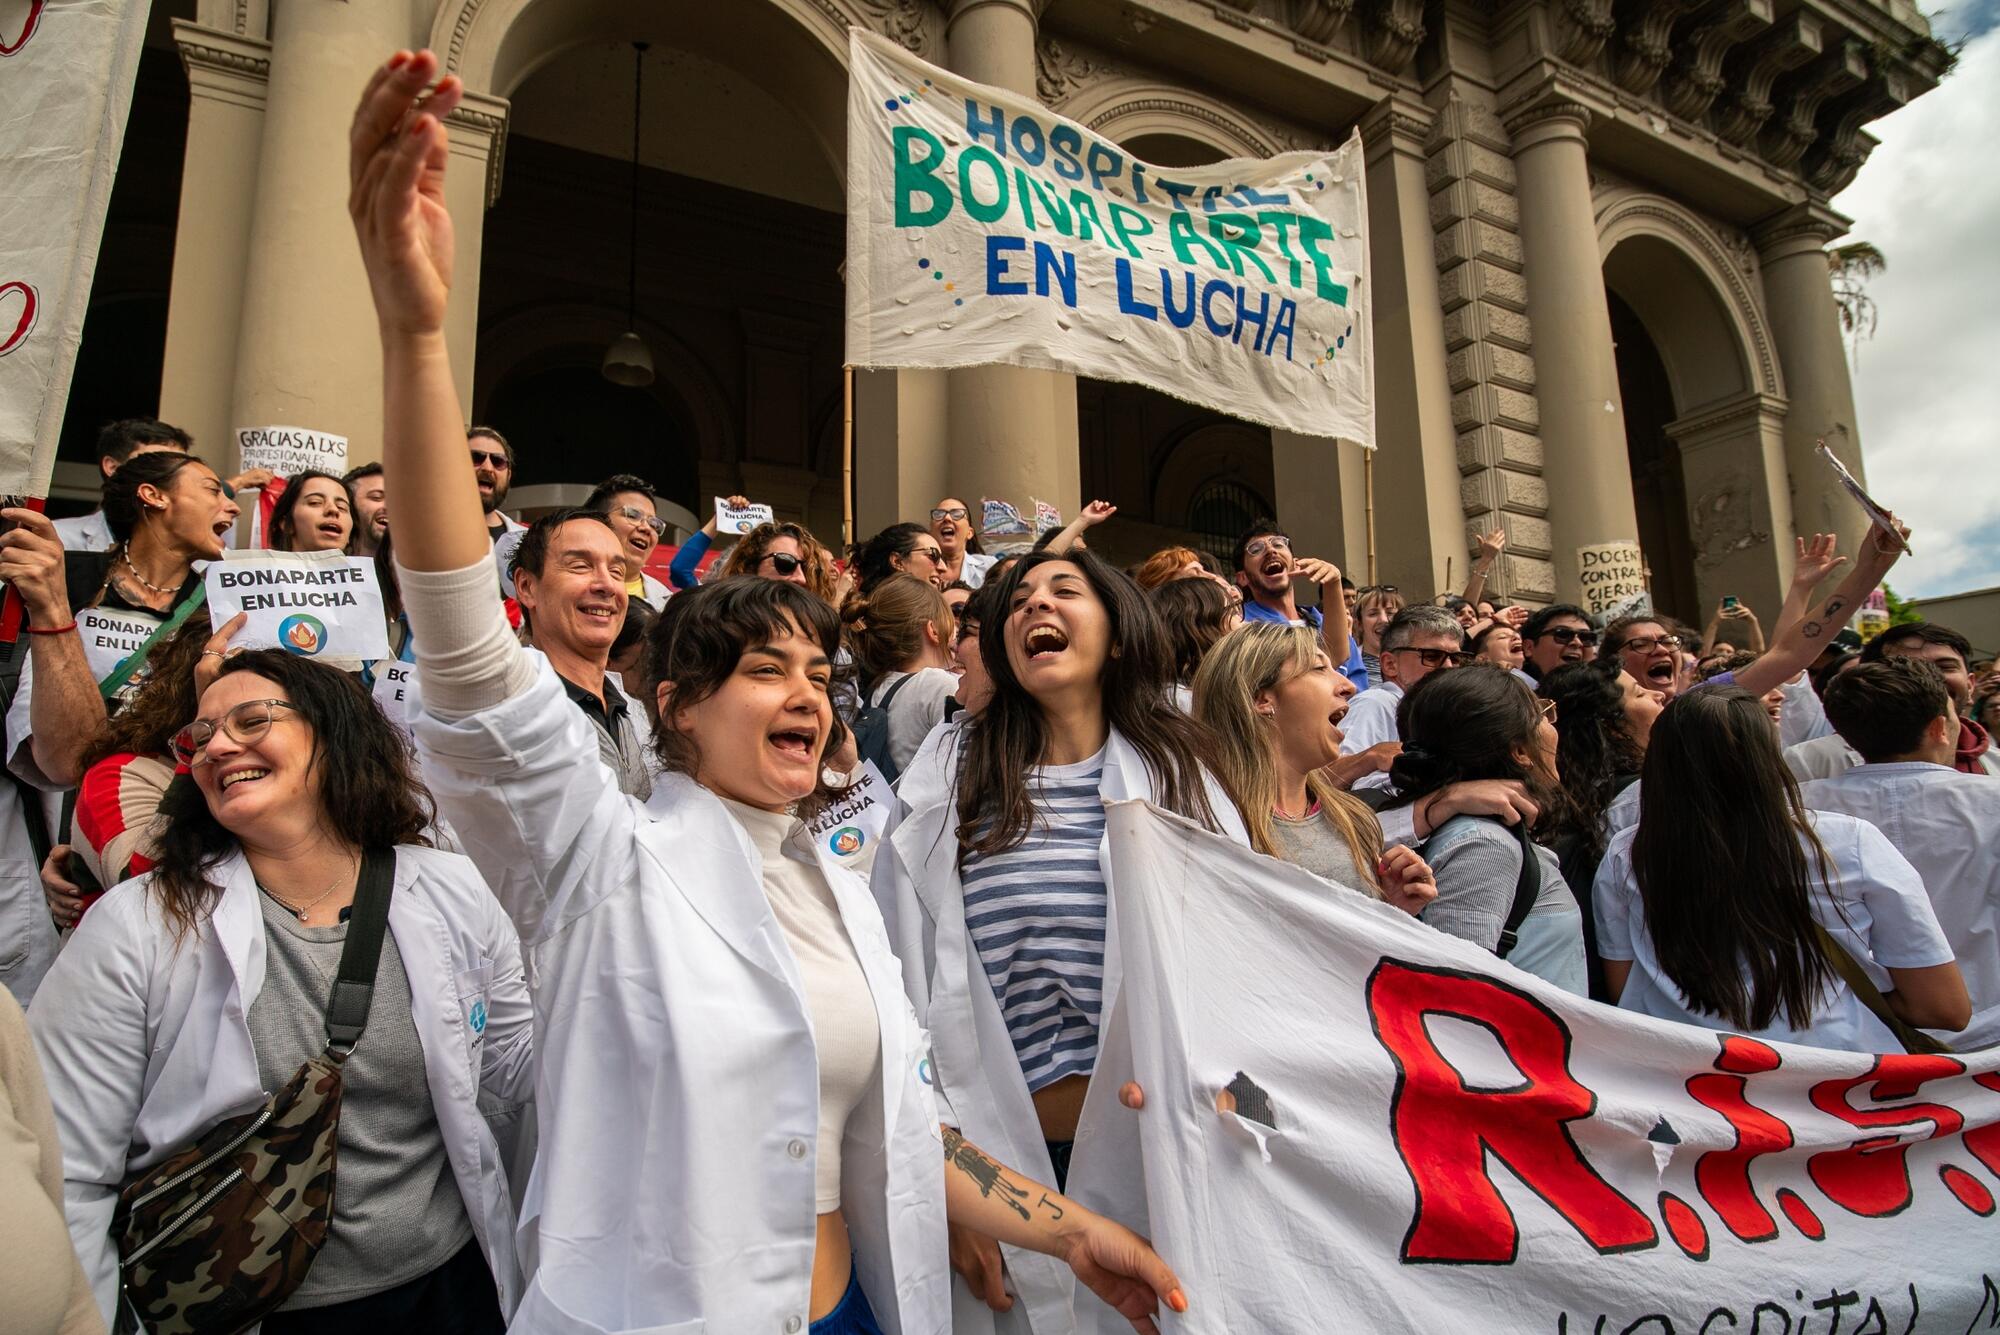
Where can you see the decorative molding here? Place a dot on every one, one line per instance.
(1549, 108)
(1397, 123)
(908, 22)
(1832, 75)
(1779, 51)
(1234, 132)
(1644, 48)
(1061, 67)
(1832, 162)
(1318, 21)
(1582, 29)
(1801, 227)
(1393, 29)
(461, 29)
(1696, 80)
(486, 117)
(224, 53)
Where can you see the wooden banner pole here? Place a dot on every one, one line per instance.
(1368, 494)
(846, 459)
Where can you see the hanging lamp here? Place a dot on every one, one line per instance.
(628, 361)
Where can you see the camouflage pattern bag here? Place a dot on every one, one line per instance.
(218, 1235)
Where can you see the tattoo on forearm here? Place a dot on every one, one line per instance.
(968, 1159)
(1055, 1210)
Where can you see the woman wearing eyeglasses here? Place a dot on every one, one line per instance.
(1649, 651)
(958, 538)
(188, 995)
(1481, 723)
(627, 501)
(900, 549)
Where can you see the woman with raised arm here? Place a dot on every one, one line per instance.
(735, 1127)
(997, 878)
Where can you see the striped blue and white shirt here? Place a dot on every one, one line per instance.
(1036, 915)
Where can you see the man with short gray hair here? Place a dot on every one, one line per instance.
(1421, 640)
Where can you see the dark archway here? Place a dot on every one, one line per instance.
(570, 424)
(1659, 490)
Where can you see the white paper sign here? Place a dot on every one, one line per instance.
(740, 520)
(1425, 1138)
(313, 604)
(110, 637)
(847, 830)
(291, 450)
(396, 692)
(1048, 519)
(984, 228)
(1611, 574)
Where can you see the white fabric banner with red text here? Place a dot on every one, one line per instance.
(66, 71)
(1442, 1142)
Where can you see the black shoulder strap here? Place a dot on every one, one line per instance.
(1527, 889)
(890, 694)
(1863, 987)
(354, 984)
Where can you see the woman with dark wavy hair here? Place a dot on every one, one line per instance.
(315, 514)
(1196, 614)
(736, 1120)
(1477, 723)
(1001, 863)
(190, 992)
(1725, 906)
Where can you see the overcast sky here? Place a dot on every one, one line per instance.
(1925, 384)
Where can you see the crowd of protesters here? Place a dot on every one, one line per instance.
(639, 1054)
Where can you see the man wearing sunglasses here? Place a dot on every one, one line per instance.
(1421, 640)
(627, 501)
(1265, 570)
(1556, 636)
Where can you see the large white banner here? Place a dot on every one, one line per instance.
(982, 227)
(1426, 1139)
(66, 70)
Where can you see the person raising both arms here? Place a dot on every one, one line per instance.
(734, 1130)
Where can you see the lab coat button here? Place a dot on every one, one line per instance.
(797, 1149)
(792, 1323)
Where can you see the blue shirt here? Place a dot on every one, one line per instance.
(1353, 669)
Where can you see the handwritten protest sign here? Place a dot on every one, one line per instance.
(848, 828)
(999, 519)
(1047, 518)
(740, 519)
(110, 637)
(983, 227)
(1483, 1151)
(1612, 575)
(291, 450)
(314, 604)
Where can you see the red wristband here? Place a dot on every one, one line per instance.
(52, 630)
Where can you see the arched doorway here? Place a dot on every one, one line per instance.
(1702, 408)
(741, 237)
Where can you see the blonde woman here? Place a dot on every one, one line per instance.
(1270, 698)
(1374, 608)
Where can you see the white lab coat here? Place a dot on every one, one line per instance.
(146, 1046)
(1370, 721)
(980, 1082)
(1948, 825)
(85, 533)
(678, 1096)
(1803, 718)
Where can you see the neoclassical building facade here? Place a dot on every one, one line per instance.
(1602, 305)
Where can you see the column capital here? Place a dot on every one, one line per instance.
(1546, 118)
(1725, 422)
(1802, 227)
(958, 9)
(224, 66)
(1396, 123)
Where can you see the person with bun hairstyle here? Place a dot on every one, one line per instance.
(902, 638)
(995, 880)
(1481, 723)
(736, 1128)
(900, 549)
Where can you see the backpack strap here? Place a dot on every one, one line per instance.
(1527, 889)
(1863, 987)
(890, 694)
(354, 984)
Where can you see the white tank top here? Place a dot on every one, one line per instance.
(837, 998)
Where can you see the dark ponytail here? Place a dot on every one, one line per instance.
(1464, 724)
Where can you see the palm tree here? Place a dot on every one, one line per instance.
(1853, 265)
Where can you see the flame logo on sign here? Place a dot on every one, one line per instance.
(14, 334)
(302, 634)
(35, 8)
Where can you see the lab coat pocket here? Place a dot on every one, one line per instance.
(20, 902)
(540, 1312)
(472, 985)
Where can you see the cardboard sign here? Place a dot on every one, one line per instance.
(984, 228)
(1868, 504)
(110, 637)
(1611, 574)
(1485, 1152)
(847, 830)
(1048, 519)
(998, 519)
(396, 692)
(740, 520)
(291, 450)
(313, 604)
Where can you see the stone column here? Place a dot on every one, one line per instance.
(1583, 426)
(1419, 519)
(478, 132)
(307, 353)
(1011, 432)
(1805, 324)
(1739, 518)
(226, 85)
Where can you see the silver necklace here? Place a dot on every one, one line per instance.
(126, 557)
(300, 911)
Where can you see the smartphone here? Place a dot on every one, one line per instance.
(1729, 603)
